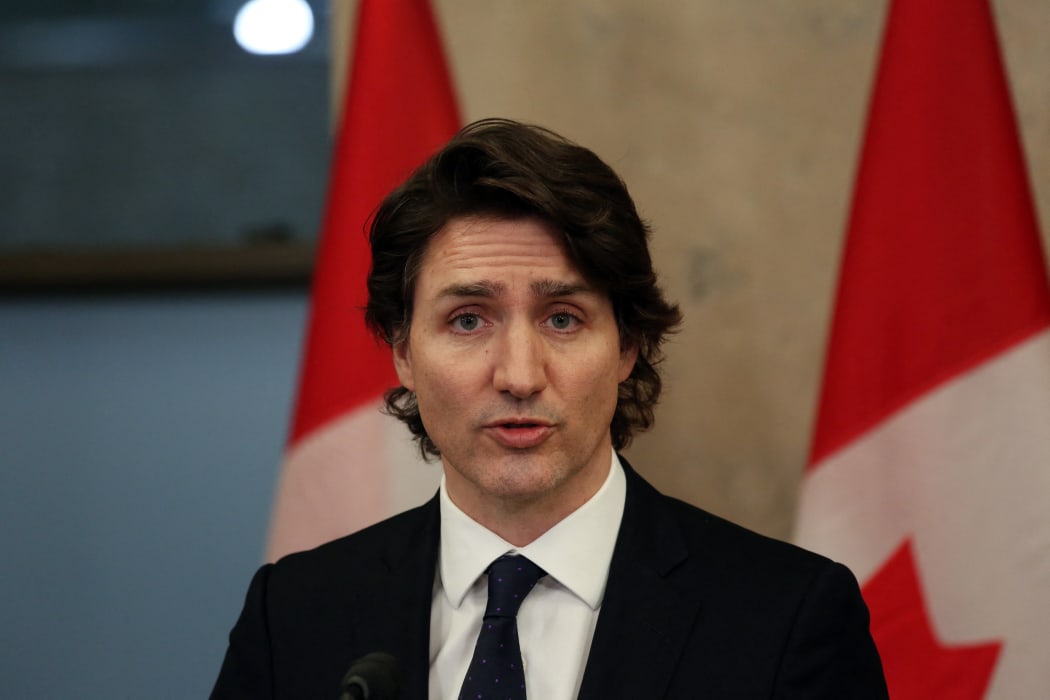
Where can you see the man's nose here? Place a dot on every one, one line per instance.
(520, 363)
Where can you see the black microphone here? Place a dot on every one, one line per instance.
(372, 677)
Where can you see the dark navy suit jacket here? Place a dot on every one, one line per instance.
(695, 607)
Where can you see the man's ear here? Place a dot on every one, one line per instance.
(403, 364)
(628, 356)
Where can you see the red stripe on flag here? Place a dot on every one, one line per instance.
(943, 266)
(399, 108)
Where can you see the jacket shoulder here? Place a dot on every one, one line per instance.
(310, 614)
(359, 554)
(683, 532)
(712, 536)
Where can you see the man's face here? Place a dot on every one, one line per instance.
(515, 362)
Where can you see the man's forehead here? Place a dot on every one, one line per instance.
(488, 256)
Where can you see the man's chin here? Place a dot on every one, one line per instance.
(518, 475)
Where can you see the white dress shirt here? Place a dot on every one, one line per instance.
(556, 622)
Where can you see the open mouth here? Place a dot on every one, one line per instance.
(520, 434)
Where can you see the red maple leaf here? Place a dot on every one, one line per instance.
(919, 666)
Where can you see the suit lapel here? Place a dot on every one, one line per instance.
(646, 617)
(393, 607)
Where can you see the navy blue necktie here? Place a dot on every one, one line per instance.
(495, 670)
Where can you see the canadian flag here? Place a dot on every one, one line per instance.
(930, 466)
(348, 465)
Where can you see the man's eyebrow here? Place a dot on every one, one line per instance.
(542, 289)
(483, 288)
(547, 289)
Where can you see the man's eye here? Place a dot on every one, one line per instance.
(466, 322)
(562, 321)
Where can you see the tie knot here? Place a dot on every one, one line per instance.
(510, 580)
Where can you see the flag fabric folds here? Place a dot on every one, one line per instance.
(347, 465)
(930, 466)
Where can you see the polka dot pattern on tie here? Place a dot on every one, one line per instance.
(495, 671)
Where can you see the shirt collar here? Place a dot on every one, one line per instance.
(576, 552)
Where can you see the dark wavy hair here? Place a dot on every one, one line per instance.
(508, 170)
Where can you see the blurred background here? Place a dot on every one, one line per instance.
(160, 193)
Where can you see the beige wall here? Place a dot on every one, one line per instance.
(736, 123)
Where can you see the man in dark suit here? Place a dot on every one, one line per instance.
(512, 278)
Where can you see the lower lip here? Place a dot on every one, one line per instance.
(520, 438)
